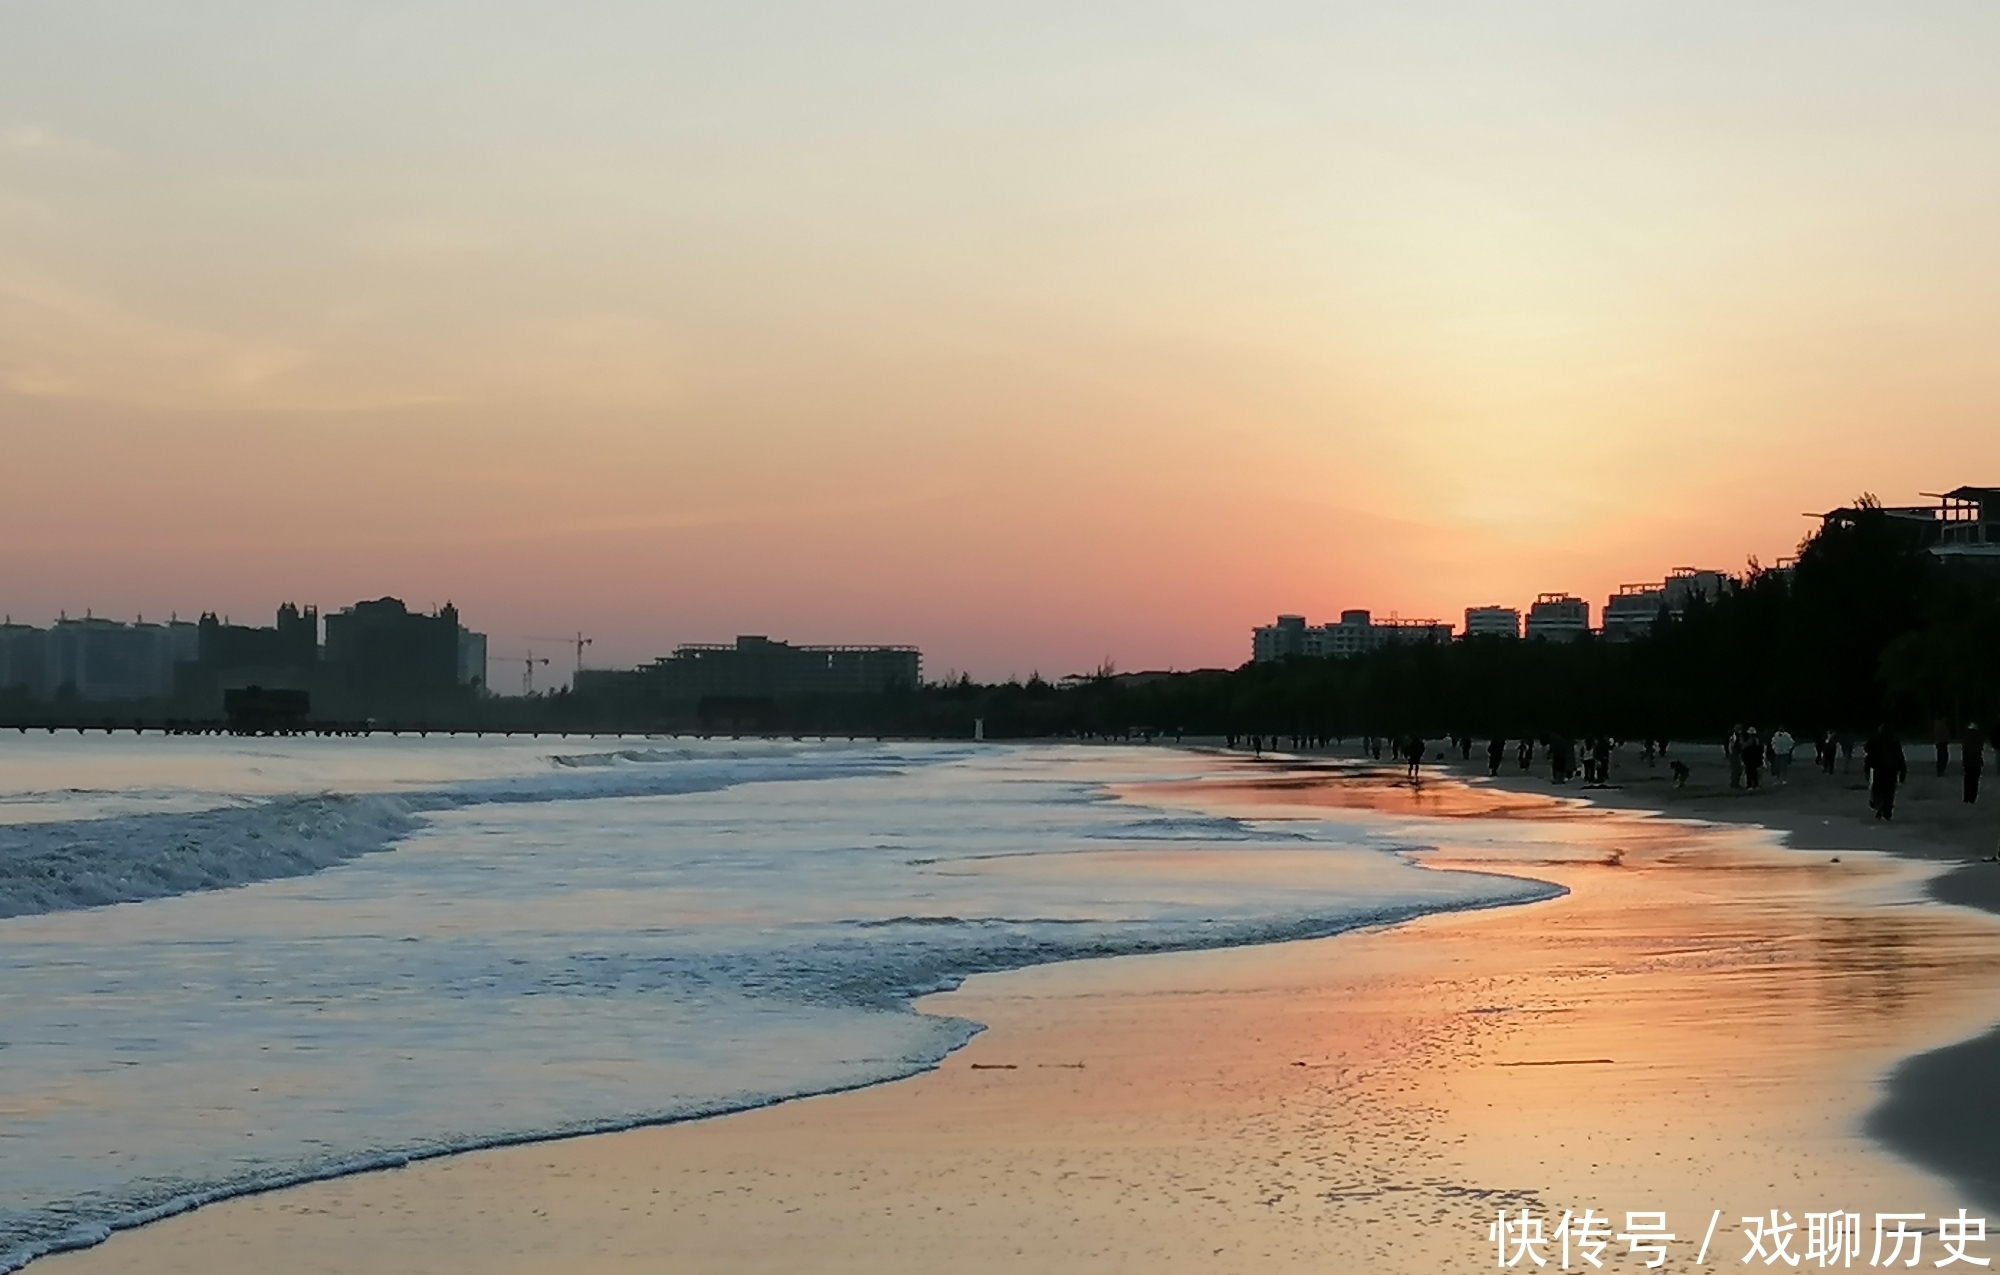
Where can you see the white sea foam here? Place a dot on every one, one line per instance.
(625, 936)
(49, 865)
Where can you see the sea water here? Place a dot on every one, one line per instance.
(228, 965)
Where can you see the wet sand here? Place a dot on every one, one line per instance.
(1935, 1110)
(1699, 1025)
(1815, 811)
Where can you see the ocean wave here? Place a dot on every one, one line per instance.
(713, 957)
(55, 1233)
(862, 975)
(61, 865)
(83, 863)
(1194, 828)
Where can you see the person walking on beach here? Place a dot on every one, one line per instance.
(1941, 736)
(1732, 748)
(1600, 760)
(1782, 748)
(1753, 758)
(1416, 746)
(1524, 755)
(1886, 766)
(1972, 759)
(1496, 752)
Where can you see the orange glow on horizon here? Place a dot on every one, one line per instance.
(1033, 338)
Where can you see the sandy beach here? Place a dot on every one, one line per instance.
(1703, 1023)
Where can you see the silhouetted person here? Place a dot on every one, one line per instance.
(1972, 759)
(1753, 759)
(1465, 748)
(1732, 748)
(1524, 755)
(1886, 766)
(1941, 737)
(1782, 748)
(1647, 755)
(1496, 752)
(1416, 747)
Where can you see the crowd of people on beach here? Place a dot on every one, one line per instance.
(1751, 757)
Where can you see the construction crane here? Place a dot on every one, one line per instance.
(528, 663)
(577, 640)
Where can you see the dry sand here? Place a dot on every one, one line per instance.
(1699, 1025)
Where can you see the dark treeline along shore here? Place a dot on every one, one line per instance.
(1865, 629)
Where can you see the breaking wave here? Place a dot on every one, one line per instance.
(85, 863)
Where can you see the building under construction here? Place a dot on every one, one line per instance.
(1963, 526)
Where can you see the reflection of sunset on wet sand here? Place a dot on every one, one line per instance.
(1698, 1025)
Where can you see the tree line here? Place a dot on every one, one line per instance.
(1866, 628)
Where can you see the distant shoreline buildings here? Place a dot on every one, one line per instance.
(1552, 617)
(1964, 526)
(377, 656)
(755, 667)
(1356, 632)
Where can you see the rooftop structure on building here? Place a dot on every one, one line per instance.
(1963, 526)
(1492, 621)
(1357, 632)
(1558, 617)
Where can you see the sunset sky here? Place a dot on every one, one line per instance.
(1030, 333)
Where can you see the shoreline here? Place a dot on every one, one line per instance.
(996, 1000)
(1922, 1114)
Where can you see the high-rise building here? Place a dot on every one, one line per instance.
(1492, 621)
(97, 659)
(1558, 617)
(23, 648)
(1357, 632)
(1279, 641)
(1684, 585)
(228, 657)
(471, 659)
(1632, 611)
(291, 642)
(381, 657)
